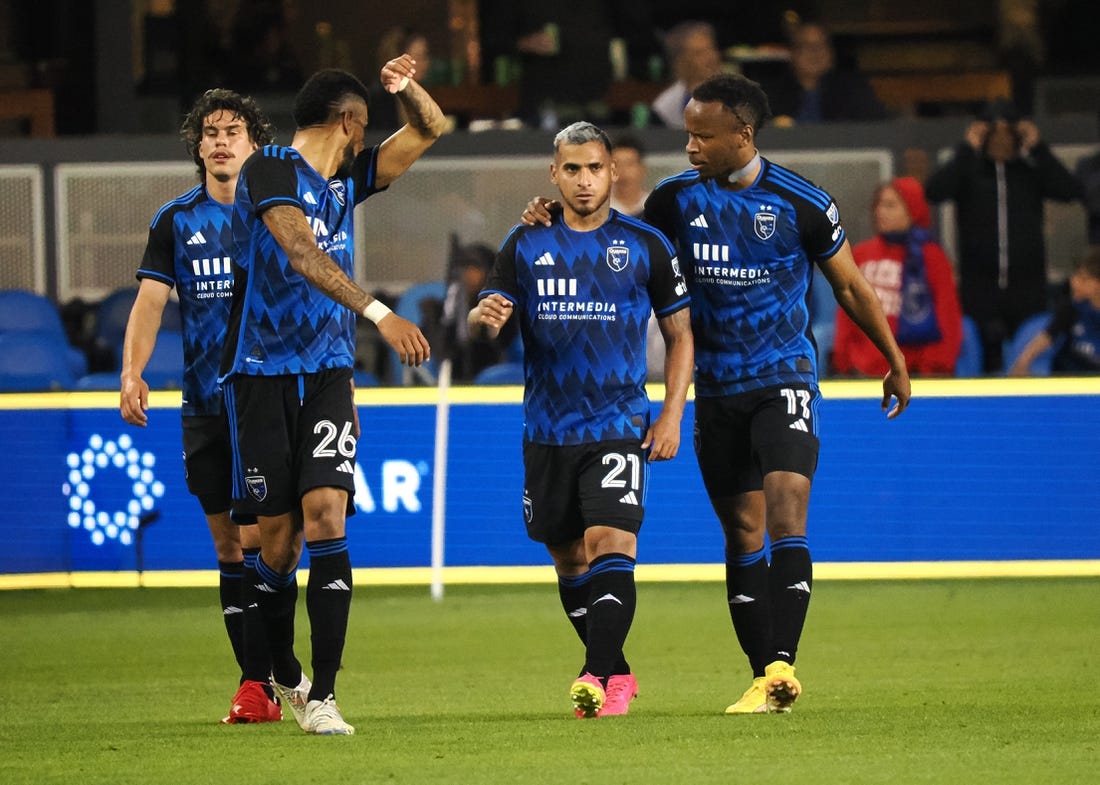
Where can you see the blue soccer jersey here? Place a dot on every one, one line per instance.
(280, 323)
(583, 300)
(748, 258)
(189, 248)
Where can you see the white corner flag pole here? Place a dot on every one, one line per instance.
(439, 486)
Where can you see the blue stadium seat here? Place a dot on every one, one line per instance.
(34, 362)
(1032, 326)
(26, 311)
(971, 361)
(501, 373)
(409, 307)
(365, 379)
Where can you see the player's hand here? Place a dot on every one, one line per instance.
(493, 311)
(662, 439)
(397, 72)
(134, 401)
(1028, 134)
(540, 210)
(896, 385)
(405, 338)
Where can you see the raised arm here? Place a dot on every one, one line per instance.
(425, 124)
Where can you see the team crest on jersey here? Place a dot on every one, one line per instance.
(764, 225)
(257, 487)
(528, 508)
(618, 257)
(833, 214)
(339, 192)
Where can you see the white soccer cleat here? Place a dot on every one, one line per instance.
(295, 698)
(323, 718)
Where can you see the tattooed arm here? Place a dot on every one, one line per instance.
(425, 124)
(290, 229)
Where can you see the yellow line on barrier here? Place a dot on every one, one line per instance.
(649, 573)
(429, 396)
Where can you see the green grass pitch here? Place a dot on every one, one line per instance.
(933, 681)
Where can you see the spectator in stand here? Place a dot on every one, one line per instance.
(386, 111)
(629, 191)
(262, 56)
(913, 279)
(999, 179)
(1075, 328)
(815, 89)
(563, 53)
(692, 52)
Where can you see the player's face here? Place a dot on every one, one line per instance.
(225, 145)
(583, 174)
(355, 124)
(890, 212)
(718, 141)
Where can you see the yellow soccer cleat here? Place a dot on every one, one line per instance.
(754, 701)
(588, 696)
(780, 686)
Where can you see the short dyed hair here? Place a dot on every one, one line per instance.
(324, 96)
(740, 95)
(260, 130)
(581, 133)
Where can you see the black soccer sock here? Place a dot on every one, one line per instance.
(612, 598)
(328, 600)
(790, 579)
(749, 605)
(573, 593)
(276, 595)
(230, 581)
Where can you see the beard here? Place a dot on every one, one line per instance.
(343, 171)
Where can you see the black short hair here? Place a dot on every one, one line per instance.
(739, 94)
(260, 130)
(323, 95)
(1089, 264)
(630, 142)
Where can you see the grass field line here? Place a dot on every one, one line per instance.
(414, 576)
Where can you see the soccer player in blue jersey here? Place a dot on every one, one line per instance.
(189, 249)
(583, 290)
(287, 366)
(749, 233)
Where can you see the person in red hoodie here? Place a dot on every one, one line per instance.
(901, 218)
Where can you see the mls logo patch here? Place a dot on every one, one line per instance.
(764, 225)
(257, 487)
(618, 258)
(338, 191)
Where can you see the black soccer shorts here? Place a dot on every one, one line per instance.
(293, 433)
(567, 489)
(740, 438)
(208, 461)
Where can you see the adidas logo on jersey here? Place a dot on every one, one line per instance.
(196, 239)
(346, 467)
(308, 198)
(701, 222)
(630, 498)
(546, 260)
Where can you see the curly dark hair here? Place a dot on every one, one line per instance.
(740, 95)
(322, 97)
(260, 130)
